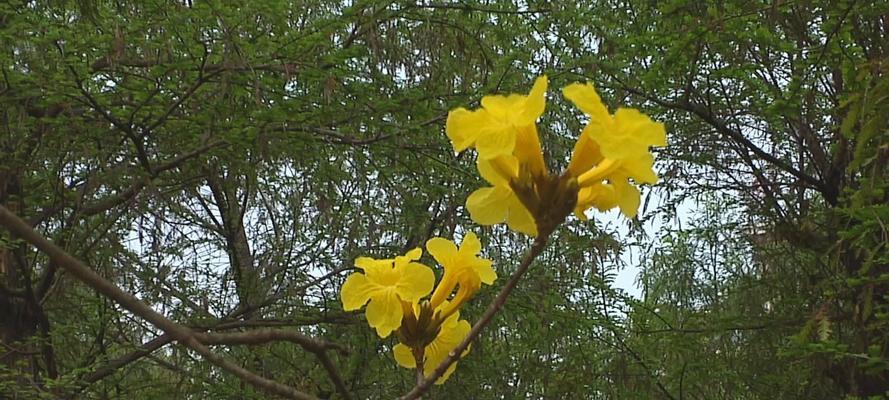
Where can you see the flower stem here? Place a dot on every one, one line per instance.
(418, 359)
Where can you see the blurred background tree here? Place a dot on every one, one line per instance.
(227, 162)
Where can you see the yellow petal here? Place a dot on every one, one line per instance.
(496, 142)
(444, 377)
(463, 127)
(416, 281)
(502, 107)
(628, 198)
(356, 291)
(584, 96)
(404, 356)
(528, 150)
(508, 110)
(498, 171)
(646, 131)
(640, 169)
(586, 154)
(444, 251)
(487, 206)
(470, 246)
(461, 330)
(455, 316)
(485, 272)
(443, 290)
(373, 266)
(519, 218)
(412, 255)
(534, 104)
(601, 196)
(632, 135)
(450, 336)
(384, 313)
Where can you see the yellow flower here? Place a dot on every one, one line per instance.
(611, 157)
(625, 135)
(386, 284)
(492, 130)
(612, 148)
(496, 204)
(453, 331)
(462, 267)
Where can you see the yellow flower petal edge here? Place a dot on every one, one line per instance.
(494, 205)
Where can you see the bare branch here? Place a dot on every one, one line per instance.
(182, 334)
(113, 365)
(316, 346)
(149, 347)
(262, 336)
(335, 377)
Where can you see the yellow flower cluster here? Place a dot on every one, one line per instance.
(611, 150)
(394, 291)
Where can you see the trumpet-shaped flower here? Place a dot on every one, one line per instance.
(453, 331)
(492, 130)
(611, 155)
(499, 203)
(462, 267)
(387, 284)
(612, 148)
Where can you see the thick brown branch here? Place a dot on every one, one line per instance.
(316, 346)
(182, 334)
(149, 347)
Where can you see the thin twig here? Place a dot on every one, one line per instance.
(114, 365)
(262, 336)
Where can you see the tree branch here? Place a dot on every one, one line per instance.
(113, 365)
(262, 336)
(149, 347)
(316, 346)
(736, 135)
(180, 333)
